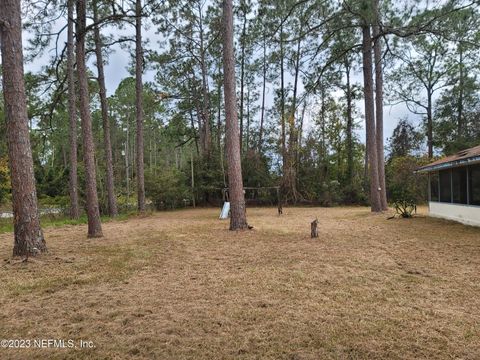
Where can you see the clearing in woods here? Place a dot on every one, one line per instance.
(178, 285)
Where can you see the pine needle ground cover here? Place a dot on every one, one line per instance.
(179, 285)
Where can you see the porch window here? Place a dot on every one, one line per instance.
(459, 185)
(445, 186)
(434, 186)
(474, 183)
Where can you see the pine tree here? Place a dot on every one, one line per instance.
(238, 218)
(375, 201)
(139, 106)
(29, 239)
(93, 211)
(112, 202)
(377, 49)
(72, 113)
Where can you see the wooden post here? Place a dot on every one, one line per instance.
(279, 202)
(193, 180)
(314, 230)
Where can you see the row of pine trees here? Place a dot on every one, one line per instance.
(256, 93)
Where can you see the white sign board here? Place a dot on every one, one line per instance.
(225, 211)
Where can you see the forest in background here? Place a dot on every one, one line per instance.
(298, 81)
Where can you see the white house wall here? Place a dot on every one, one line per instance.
(469, 215)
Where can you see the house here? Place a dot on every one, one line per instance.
(454, 187)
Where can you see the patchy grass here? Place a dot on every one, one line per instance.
(179, 285)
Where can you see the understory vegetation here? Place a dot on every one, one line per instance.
(298, 100)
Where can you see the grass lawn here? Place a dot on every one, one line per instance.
(179, 285)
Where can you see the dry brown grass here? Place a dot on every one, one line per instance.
(179, 285)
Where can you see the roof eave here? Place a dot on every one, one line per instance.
(449, 165)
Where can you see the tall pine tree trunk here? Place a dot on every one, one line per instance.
(205, 129)
(194, 133)
(324, 164)
(290, 181)
(238, 218)
(375, 201)
(242, 78)
(247, 135)
(264, 86)
(299, 141)
(219, 107)
(72, 113)
(282, 118)
(28, 235)
(139, 107)
(93, 212)
(219, 125)
(200, 121)
(377, 49)
(112, 202)
(460, 118)
(127, 163)
(429, 123)
(349, 130)
(205, 111)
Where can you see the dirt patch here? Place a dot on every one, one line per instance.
(179, 285)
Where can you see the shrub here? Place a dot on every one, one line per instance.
(405, 208)
(5, 186)
(167, 189)
(403, 185)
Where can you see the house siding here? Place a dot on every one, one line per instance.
(465, 214)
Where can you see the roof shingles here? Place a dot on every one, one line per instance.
(457, 159)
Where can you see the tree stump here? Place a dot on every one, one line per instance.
(314, 230)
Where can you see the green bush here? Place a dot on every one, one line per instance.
(331, 193)
(403, 184)
(167, 189)
(405, 207)
(354, 194)
(56, 201)
(4, 180)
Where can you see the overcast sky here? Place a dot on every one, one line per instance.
(119, 59)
